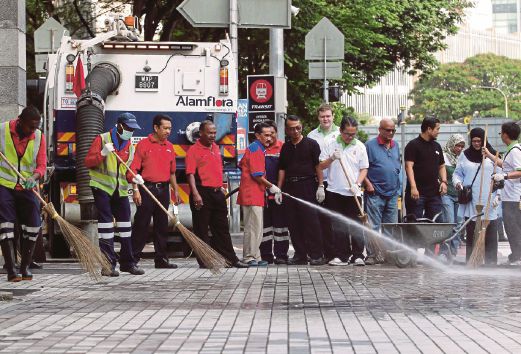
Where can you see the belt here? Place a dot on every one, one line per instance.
(210, 189)
(298, 178)
(157, 185)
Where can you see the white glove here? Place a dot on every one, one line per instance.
(321, 194)
(498, 177)
(496, 201)
(274, 189)
(138, 180)
(355, 188)
(337, 155)
(107, 149)
(278, 198)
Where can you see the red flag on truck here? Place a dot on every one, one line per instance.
(79, 79)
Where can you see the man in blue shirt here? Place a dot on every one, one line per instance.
(383, 181)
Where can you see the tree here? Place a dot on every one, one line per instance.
(453, 91)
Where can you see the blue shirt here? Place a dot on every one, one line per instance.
(384, 168)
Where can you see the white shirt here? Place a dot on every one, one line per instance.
(354, 157)
(512, 162)
(323, 139)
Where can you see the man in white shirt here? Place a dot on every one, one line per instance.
(511, 195)
(323, 134)
(341, 197)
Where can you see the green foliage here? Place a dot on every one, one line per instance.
(452, 92)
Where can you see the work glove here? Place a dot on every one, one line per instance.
(337, 155)
(138, 179)
(355, 189)
(278, 198)
(496, 201)
(321, 194)
(274, 189)
(30, 183)
(107, 149)
(498, 177)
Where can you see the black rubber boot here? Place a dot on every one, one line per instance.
(27, 250)
(8, 253)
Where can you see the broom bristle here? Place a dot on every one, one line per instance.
(89, 255)
(478, 250)
(207, 255)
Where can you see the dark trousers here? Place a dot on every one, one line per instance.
(346, 240)
(303, 221)
(213, 214)
(145, 211)
(327, 230)
(21, 206)
(275, 239)
(512, 221)
(490, 241)
(425, 207)
(112, 207)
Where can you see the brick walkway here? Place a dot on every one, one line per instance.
(278, 309)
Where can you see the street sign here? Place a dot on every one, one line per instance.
(252, 13)
(261, 89)
(324, 30)
(259, 117)
(40, 60)
(333, 70)
(48, 36)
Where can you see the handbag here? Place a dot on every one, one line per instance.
(465, 194)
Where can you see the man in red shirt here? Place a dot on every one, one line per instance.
(155, 166)
(204, 171)
(110, 190)
(24, 146)
(252, 194)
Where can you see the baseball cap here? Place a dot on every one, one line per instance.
(129, 119)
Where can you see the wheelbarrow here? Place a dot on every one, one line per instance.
(422, 233)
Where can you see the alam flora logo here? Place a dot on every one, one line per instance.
(209, 101)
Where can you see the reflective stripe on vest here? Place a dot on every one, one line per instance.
(26, 164)
(106, 176)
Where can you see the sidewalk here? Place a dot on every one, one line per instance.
(276, 309)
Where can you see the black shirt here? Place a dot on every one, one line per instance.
(300, 160)
(427, 157)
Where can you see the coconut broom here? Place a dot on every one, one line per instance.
(208, 256)
(478, 251)
(89, 255)
(373, 243)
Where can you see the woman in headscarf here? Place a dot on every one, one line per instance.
(468, 173)
(451, 151)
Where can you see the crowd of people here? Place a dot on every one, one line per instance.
(280, 184)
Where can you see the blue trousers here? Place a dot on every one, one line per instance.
(112, 207)
(380, 209)
(275, 240)
(20, 205)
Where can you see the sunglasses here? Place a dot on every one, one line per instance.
(349, 134)
(389, 130)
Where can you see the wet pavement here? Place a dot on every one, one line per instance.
(278, 309)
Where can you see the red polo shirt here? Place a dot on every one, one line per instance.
(252, 165)
(205, 163)
(154, 160)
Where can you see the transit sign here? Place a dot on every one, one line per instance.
(252, 13)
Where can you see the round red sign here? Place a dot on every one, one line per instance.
(261, 91)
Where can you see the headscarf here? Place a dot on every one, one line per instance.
(472, 154)
(454, 140)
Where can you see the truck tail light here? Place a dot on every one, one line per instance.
(223, 78)
(69, 73)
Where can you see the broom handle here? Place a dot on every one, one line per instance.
(487, 210)
(22, 178)
(145, 188)
(483, 167)
(349, 182)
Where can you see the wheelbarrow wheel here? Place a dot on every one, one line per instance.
(403, 259)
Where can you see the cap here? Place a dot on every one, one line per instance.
(129, 119)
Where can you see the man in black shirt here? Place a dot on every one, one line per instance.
(426, 174)
(298, 174)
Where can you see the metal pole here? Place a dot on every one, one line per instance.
(277, 70)
(234, 20)
(326, 83)
(404, 174)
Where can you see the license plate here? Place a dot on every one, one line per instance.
(147, 82)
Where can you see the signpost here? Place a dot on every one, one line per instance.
(261, 99)
(47, 39)
(325, 42)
